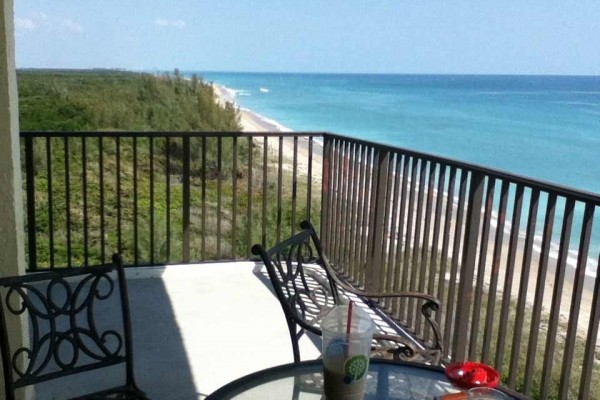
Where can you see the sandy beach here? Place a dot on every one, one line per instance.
(256, 123)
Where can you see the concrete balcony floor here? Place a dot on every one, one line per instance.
(196, 328)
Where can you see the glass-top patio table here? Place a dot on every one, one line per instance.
(304, 380)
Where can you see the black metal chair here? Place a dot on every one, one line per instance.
(68, 335)
(307, 287)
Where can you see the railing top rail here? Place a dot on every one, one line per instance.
(576, 194)
(138, 134)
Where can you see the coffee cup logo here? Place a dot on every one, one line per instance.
(355, 368)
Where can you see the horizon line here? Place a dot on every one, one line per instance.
(185, 70)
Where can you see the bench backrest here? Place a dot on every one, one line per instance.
(304, 288)
(307, 287)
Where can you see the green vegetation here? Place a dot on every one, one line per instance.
(122, 101)
(149, 173)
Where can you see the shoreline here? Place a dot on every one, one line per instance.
(251, 121)
(254, 122)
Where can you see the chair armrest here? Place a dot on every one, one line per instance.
(407, 351)
(431, 303)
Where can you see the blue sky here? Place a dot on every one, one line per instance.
(376, 36)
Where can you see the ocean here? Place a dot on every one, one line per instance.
(544, 127)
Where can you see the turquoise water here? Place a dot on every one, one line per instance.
(544, 127)
(540, 126)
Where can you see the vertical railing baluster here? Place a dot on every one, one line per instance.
(101, 210)
(408, 245)
(168, 196)
(335, 226)
(186, 199)
(433, 263)
(136, 254)
(343, 202)
(335, 229)
(249, 194)
(263, 238)
(151, 144)
(203, 199)
(279, 188)
(386, 203)
(86, 250)
(523, 287)
(579, 279)
(294, 184)
(309, 179)
(536, 314)
(401, 267)
(559, 279)
(362, 213)
(394, 237)
(450, 324)
(467, 268)
(489, 315)
(485, 237)
(425, 244)
(416, 267)
(445, 248)
(440, 172)
(508, 278)
(31, 228)
(219, 193)
(50, 201)
(344, 209)
(118, 182)
(376, 223)
(234, 202)
(326, 194)
(353, 253)
(68, 202)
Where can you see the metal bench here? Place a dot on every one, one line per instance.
(307, 286)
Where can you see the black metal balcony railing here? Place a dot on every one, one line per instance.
(161, 198)
(506, 255)
(404, 220)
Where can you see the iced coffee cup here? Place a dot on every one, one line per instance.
(347, 335)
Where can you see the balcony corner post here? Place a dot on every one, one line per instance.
(12, 245)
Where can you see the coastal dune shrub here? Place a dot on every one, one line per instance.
(96, 100)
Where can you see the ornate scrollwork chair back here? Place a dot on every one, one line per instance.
(68, 333)
(307, 286)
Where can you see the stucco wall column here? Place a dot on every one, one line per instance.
(12, 254)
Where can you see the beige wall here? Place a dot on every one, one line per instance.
(12, 257)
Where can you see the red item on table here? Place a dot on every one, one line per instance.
(469, 374)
